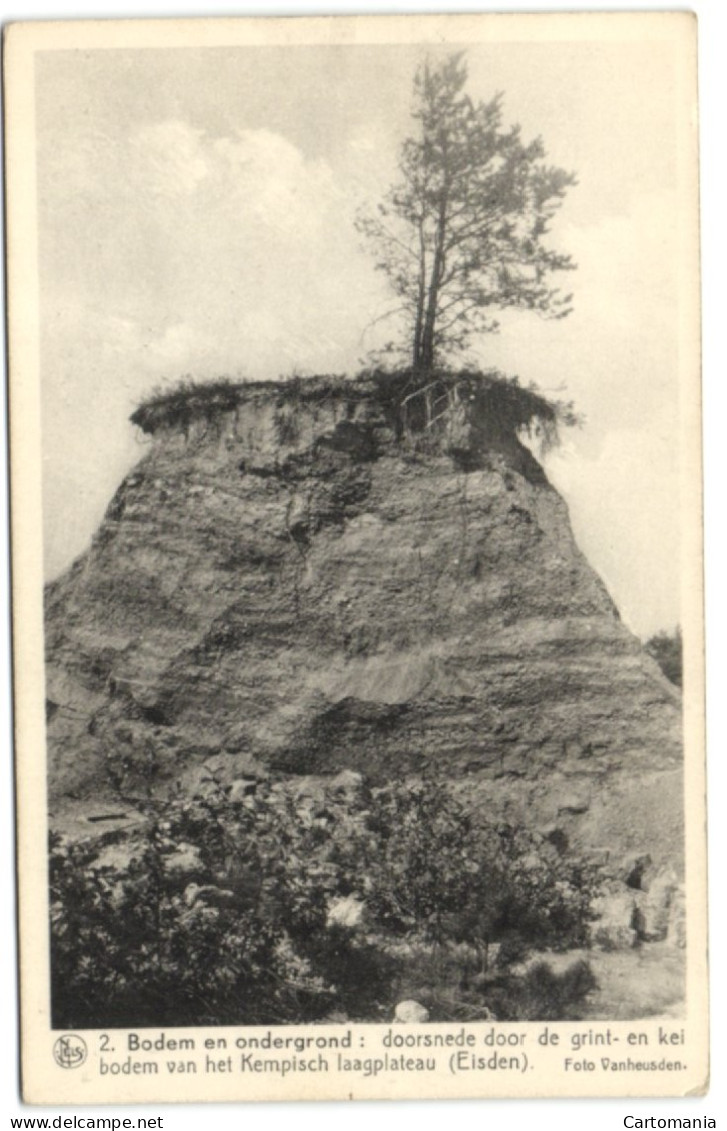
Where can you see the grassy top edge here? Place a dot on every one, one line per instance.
(190, 400)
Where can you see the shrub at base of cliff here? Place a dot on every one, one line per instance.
(275, 906)
(433, 868)
(127, 951)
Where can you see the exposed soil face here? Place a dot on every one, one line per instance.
(320, 582)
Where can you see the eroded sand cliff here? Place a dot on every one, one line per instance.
(321, 575)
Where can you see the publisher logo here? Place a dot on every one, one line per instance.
(70, 1051)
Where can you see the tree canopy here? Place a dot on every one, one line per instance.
(462, 232)
(666, 649)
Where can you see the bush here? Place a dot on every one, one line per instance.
(246, 936)
(127, 950)
(666, 649)
(431, 867)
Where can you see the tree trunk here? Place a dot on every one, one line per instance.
(426, 353)
(421, 300)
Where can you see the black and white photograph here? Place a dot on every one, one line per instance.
(357, 592)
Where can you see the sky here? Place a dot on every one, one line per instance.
(196, 213)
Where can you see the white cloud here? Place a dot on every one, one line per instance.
(262, 176)
(624, 503)
(182, 253)
(225, 237)
(168, 159)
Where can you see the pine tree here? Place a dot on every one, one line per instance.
(462, 233)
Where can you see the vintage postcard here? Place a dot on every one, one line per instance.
(356, 553)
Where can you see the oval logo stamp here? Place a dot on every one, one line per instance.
(70, 1051)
